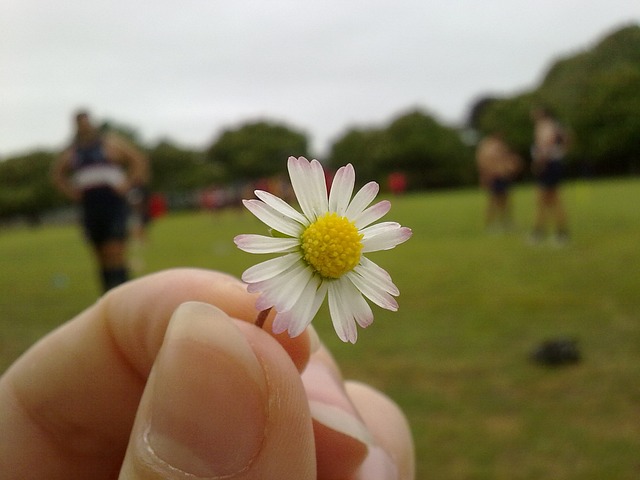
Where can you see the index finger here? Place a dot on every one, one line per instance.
(139, 316)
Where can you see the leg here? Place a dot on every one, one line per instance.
(555, 205)
(491, 210)
(113, 263)
(502, 207)
(105, 221)
(540, 220)
(112, 253)
(496, 208)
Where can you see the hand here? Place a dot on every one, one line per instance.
(147, 386)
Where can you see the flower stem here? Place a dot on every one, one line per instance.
(262, 316)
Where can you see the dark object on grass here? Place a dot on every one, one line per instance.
(555, 352)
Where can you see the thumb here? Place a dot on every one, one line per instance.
(210, 410)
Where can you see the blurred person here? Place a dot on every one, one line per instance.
(397, 182)
(175, 382)
(497, 165)
(97, 171)
(547, 163)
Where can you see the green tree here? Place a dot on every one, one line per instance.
(594, 93)
(363, 148)
(25, 186)
(609, 122)
(256, 150)
(511, 117)
(177, 169)
(431, 154)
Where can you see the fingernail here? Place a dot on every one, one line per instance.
(378, 466)
(342, 440)
(209, 407)
(329, 403)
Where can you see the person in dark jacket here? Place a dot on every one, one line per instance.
(97, 171)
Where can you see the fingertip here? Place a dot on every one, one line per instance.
(342, 439)
(389, 427)
(298, 348)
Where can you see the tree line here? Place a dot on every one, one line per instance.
(594, 93)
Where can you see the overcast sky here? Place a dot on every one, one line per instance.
(187, 69)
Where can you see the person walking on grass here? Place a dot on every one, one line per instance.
(547, 155)
(497, 166)
(97, 171)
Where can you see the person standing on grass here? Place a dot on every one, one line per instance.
(497, 166)
(97, 170)
(547, 155)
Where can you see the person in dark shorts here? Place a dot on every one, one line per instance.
(497, 166)
(550, 174)
(547, 155)
(97, 171)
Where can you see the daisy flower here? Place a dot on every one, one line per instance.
(322, 251)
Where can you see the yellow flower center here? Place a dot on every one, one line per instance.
(332, 245)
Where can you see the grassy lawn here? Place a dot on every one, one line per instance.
(455, 356)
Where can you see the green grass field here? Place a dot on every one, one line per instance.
(455, 356)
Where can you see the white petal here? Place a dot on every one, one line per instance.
(261, 244)
(302, 313)
(281, 206)
(376, 274)
(372, 214)
(270, 268)
(273, 218)
(384, 236)
(360, 308)
(373, 290)
(347, 306)
(308, 182)
(320, 200)
(282, 291)
(362, 199)
(342, 189)
(343, 322)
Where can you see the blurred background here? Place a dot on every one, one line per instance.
(219, 94)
